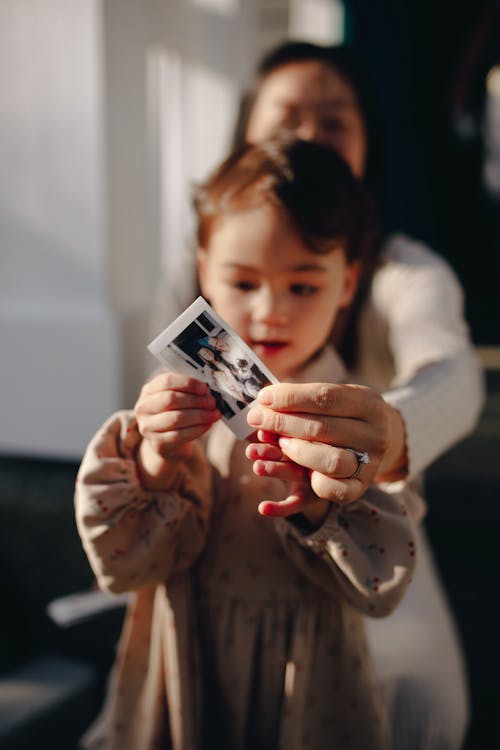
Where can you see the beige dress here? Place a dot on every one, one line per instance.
(243, 631)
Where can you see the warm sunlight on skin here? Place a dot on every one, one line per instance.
(272, 289)
(316, 104)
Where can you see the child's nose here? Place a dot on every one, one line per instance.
(271, 307)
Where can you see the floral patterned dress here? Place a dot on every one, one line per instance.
(242, 631)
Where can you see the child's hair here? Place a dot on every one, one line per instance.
(341, 59)
(311, 183)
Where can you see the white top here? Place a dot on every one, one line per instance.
(414, 345)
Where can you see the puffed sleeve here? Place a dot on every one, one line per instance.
(133, 536)
(438, 385)
(367, 548)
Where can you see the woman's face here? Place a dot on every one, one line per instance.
(315, 103)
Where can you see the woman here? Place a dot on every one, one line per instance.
(405, 338)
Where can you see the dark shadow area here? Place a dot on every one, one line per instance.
(463, 489)
(52, 677)
(429, 64)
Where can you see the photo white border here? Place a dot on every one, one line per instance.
(159, 348)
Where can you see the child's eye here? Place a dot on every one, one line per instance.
(243, 286)
(303, 290)
(290, 118)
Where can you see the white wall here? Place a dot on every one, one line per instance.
(109, 109)
(91, 175)
(58, 366)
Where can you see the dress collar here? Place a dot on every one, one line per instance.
(326, 367)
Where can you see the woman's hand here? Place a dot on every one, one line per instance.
(306, 428)
(172, 410)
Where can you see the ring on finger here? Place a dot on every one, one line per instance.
(362, 458)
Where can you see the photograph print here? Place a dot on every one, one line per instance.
(200, 343)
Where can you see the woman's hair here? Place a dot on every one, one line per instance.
(341, 59)
(311, 183)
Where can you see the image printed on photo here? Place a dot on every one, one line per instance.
(200, 343)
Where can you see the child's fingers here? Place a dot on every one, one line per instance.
(286, 471)
(168, 442)
(165, 381)
(172, 400)
(300, 500)
(172, 421)
(264, 451)
(268, 437)
(292, 504)
(173, 410)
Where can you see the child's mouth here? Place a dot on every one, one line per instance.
(263, 348)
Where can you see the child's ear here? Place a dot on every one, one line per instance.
(202, 269)
(351, 282)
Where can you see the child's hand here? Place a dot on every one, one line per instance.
(269, 460)
(171, 411)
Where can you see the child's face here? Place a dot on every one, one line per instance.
(279, 296)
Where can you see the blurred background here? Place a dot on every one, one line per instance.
(109, 111)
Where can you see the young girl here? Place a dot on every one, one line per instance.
(246, 631)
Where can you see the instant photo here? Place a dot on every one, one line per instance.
(200, 343)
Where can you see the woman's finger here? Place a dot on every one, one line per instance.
(339, 399)
(341, 491)
(325, 459)
(344, 432)
(331, 469)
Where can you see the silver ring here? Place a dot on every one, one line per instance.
(362, 458)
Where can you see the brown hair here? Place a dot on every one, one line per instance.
(313, 185)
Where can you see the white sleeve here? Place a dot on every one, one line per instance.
(438, 383)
